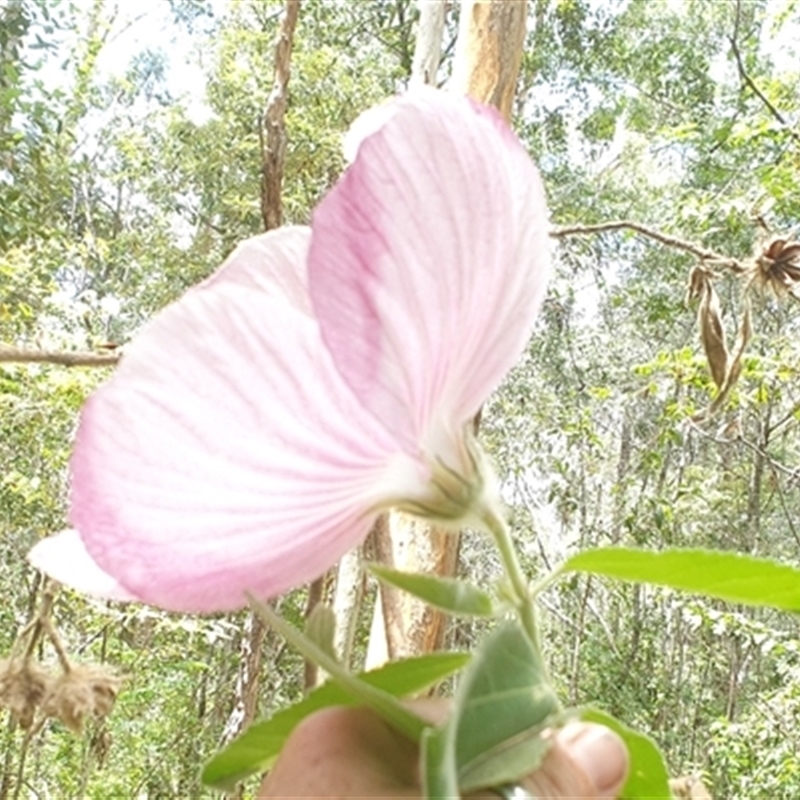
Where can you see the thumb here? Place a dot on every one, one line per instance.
(586, 761)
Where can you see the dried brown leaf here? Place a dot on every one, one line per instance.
(712, 333)
(742, 340)
(697, 279)
(737, 360)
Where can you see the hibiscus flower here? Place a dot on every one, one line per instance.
(256, 427)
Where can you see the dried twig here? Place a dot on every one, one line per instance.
(709, 256)
(29, 355)
(793, 473)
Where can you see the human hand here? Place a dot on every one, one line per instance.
(351, 752)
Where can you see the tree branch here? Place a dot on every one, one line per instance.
(670, 241)
(9, 353)
(273, 127)
(27, 355)
(752, 84)
(793, 473)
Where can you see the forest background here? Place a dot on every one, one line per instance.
(120, 186)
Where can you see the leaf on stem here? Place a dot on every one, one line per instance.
(449, 594)
(258, 747)
(648, 775)
(727, 576)
(502, 705)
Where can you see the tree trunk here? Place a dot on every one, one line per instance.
(411, 627)
(273, 128)
(489, 51)
(428, 51)
(347, 603)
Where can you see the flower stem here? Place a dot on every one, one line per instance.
(383, 703)
(523, 599)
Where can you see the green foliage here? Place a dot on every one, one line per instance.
(594, 429)
(727, 576)
(757, 755)
(493, 734)
(451, 595)
(258, 747)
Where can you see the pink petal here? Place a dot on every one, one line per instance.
(64, 557)
(271, 264)
(226, 454)
(428, 262)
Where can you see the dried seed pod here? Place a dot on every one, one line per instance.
(87, 689)
(709, 320)
(23, 685)
(778, 268)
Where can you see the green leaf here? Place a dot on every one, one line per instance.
(648, 777)
(381, 702)
(727, 576)
(258, 747)
(449, 594)
(503, 703)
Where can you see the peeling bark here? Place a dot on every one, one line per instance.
(489, 51)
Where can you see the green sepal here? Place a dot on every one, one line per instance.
(381, 702)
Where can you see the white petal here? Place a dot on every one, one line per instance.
(64, 558)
